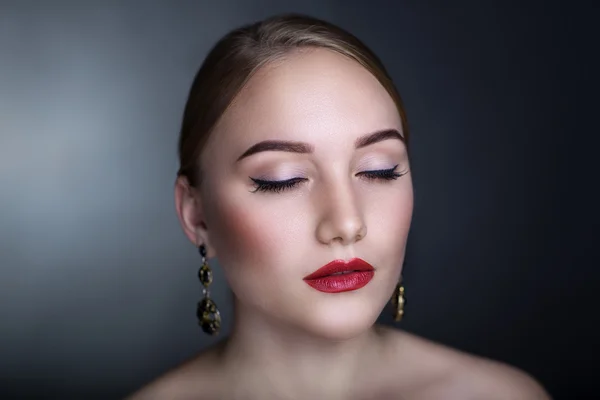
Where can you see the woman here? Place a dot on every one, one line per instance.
(295, 174)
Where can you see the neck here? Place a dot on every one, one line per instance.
(282, 360)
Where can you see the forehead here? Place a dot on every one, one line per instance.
(317, 96)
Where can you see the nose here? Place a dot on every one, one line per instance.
(341, 216)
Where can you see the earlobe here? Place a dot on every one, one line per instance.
(188, 205)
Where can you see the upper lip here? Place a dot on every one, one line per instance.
(356, 264)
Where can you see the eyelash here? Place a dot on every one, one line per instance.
(279, 186)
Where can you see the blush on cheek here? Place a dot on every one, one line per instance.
(241, 236)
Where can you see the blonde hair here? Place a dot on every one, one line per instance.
(240, 54)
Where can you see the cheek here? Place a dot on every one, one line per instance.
(251, 235)
(393, 209)
(238, 235)
(389, 222)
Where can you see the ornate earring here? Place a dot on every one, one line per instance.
(398, 301)
(208, 314)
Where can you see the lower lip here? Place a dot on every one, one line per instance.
(341, 283)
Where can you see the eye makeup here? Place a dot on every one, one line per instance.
(382, 174)
(262, 185)
(274, 186)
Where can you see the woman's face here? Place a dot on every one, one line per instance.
(269, 236)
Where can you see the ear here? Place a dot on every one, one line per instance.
(188, 204)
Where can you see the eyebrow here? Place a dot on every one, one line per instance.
(305, 148)
(378, 136)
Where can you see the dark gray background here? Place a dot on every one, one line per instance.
(98, 284)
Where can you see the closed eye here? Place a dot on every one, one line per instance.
(262, 185)
(382, 174)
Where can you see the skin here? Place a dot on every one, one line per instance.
(289, 340)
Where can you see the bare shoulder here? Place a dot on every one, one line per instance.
(196, 378)
(457, 374)
(500, 381)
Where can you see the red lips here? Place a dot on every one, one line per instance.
(340, 276)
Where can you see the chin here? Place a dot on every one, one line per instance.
(341, 321)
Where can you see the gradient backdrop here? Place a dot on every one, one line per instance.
(98, 284)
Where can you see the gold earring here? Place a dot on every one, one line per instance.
(207, 312)
(398, 301)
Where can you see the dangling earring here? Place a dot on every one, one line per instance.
(208, 314)
(398, 301)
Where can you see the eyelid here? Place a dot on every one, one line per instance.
(271, 179)
(281, 171)
(380, 170)
(262, 180)
(276, 186)
(383, 174)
